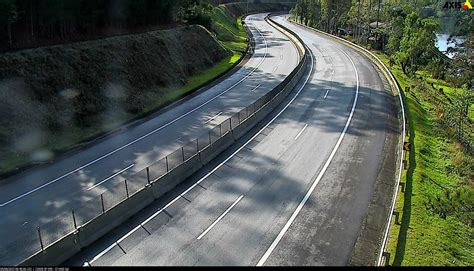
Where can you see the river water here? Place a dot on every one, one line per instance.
(443, 44)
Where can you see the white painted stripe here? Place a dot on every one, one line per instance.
(327, 91)
(208, 174)
(213, 118)
(219, 218)
(302, 130)
(276, 67)
(108, 178)
(257, 86)
(401, 150)
(144, 136)
(318, 178)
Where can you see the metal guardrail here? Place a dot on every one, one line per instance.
(41, 237)
(395, 86)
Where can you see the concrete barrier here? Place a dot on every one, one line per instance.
(98, 227)
(90, 232)
(244, 127)
(57, 252)
(176, 176)
(213, 150)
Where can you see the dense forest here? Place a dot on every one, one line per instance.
(30, 23)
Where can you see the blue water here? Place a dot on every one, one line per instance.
(442, 43)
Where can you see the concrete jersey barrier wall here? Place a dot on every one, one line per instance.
(87, 234)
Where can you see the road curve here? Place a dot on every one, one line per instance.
(46, 194)
(295, 191)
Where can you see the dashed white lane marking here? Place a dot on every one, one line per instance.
(255, 88)
(213, 118)
(219, 218)
(318, 178)
(108, 178)
(207, 175)
(302, 130)
(327, 91)
(146, 135)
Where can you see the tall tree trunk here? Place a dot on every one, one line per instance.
(31, 21)
(10, 39)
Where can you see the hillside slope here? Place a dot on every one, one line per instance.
(53, 97)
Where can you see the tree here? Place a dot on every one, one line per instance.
(416, 45)
(8, 16)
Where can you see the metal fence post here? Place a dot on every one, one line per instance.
(182, 152)
(74, 218)
(197, 144)
(148, 174)
(126, 189)
(102, 201)
(220, 130)
(166, 159)
(230, 124)
(40, 239)
(209, 137)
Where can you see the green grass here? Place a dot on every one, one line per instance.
(424, 237)
(228, 30)
(201, 79)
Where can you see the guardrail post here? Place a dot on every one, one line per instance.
(220, 130)
(74, 218)
(126, 189)
(197, 144)
(167, 167)
(182, 152)
(230, 123)
(102, 201)
(209, 137)
(397, 215)
(40, 239)
(148, 175)
(386, 255)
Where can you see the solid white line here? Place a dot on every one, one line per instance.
(144, 136)
(108, 178)
(208, 174)
(327, 91)
(318, 178)
(257, 86)
(212, 118)
(219, 218)
(302, 130)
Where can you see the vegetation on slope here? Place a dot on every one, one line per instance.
(437, 204)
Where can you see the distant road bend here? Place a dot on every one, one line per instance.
(295, 191)
(46, 194)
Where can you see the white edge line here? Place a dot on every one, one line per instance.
(220, 217)
(302, 130)
(318, 178)
(108, 178)
(400, 171)
(208, 174)
(144, 136)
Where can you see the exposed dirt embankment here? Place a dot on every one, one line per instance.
(52, 96)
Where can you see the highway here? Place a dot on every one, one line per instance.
(44, 195)
(294, 191)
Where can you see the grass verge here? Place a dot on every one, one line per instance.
(430, 233)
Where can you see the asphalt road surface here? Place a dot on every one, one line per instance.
(45, 195)
(295, 191)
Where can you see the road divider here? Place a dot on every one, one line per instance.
(165, 174)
